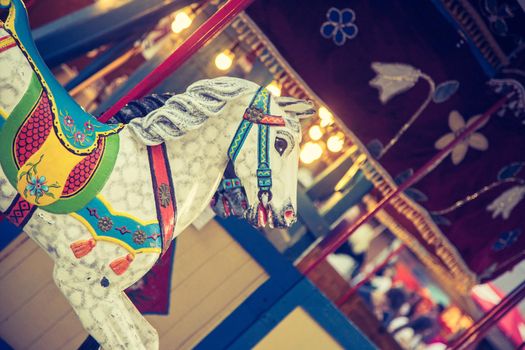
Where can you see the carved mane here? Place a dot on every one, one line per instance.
(190, 110)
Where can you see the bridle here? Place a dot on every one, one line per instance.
(258, 112)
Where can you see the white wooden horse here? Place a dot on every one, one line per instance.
(85, 191)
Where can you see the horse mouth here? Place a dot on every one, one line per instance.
(260, 216)
(234, 203)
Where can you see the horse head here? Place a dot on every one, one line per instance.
(266, 165)
(260, 180)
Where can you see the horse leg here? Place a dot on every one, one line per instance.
(101, 310)
(148, 334)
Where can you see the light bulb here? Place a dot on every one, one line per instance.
(182, 21)
(274, 88)
(311, 152)
(315, 132)
(327, 118)
(336, 142)
(224, 60)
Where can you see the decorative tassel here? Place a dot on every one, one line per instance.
(269, 210)
(120, 265)
(226, 205)
(83, 247)
(262, 215)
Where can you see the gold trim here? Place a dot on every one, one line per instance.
(453, 278)
(474, 26)
(3, 114)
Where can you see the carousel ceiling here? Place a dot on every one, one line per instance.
(431, 68)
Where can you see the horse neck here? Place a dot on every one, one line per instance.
(198, 161)
(15, 75)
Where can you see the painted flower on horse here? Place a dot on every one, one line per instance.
(36, 185)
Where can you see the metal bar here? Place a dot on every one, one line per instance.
(483, 325)
(100, 62)
(331, 242)
(110, 67)
(369, 275)
(99, 24)
(207, 31)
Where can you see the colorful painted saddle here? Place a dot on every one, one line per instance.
(57, 155)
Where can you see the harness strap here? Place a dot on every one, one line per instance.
(164, 193)
(258, 112)
(230, 179)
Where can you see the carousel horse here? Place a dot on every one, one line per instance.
(105, 200)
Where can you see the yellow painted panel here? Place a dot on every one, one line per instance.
(48, 156)
(298, 331)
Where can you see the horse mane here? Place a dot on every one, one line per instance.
(188, 111)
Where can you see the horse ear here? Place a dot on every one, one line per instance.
(302, 109)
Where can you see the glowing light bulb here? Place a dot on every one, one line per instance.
(182, 21)
(274, 88)
(315, 132)
(327, 118)
(336, 142)
(224, 60)
(311, 152)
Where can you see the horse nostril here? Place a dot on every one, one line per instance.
(288, 214)
(104, 282)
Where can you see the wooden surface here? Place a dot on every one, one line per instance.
(211, 277)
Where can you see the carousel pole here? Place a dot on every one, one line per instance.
(207, 31)
(480, 328)
(369, 275)
(330, 243)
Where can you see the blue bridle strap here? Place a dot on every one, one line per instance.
(261, 105)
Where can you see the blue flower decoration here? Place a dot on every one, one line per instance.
(506, 239)
(340, 25)
(37, 186)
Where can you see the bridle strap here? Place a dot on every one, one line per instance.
(258, 112)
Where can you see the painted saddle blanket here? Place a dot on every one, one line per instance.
(57, 155)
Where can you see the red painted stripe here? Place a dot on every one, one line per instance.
(161, 177)
(5, 48)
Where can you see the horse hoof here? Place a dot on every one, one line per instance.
(104, 282)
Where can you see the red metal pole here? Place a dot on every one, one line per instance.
(331, 243)
(369, 275)
(207, 31)
(483, 325)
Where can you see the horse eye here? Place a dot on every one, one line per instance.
(280, 145)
